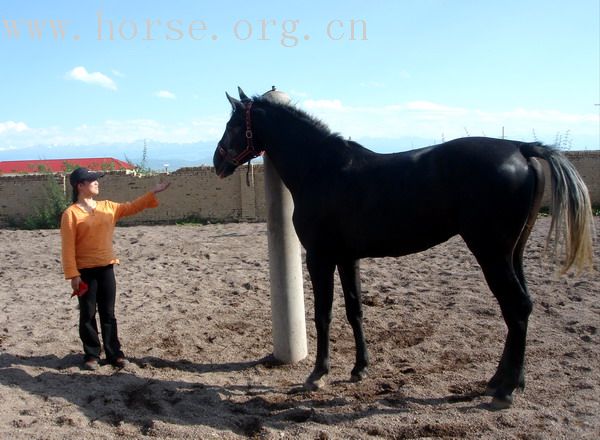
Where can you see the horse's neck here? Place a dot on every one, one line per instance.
(293, 147)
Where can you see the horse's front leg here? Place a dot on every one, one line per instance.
(321, 274)
(350, 277)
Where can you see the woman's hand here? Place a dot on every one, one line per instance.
(160, 187)
(75, 283)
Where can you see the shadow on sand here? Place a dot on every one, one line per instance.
(123, 397)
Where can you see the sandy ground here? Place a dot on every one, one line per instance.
(194, 317)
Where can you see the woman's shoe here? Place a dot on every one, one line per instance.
(90, 365)
(120, 362)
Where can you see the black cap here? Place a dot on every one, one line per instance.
(83, 175)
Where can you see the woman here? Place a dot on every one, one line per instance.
(86, 230)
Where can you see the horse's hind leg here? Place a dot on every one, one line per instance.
(516, 307)
(537, 174)
(350, 277)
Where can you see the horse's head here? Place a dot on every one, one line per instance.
(236, 147)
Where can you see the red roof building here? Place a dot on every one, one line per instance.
(13, 167)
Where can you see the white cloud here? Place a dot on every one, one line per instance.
(112, 132)
(434, 120)
(12, 126)
(80, 73)
(165, 94)
(550, 116)
(422, 119)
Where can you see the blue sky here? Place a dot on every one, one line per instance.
(410, 72)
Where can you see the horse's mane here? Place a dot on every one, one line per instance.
(299, 113)
(330, 140)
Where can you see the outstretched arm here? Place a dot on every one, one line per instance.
(148, 200)
(160, 187)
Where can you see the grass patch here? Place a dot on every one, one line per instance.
(47, 213)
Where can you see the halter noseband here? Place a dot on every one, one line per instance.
(250, 152)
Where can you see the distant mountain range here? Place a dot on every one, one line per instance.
(174, 156)
(157, 154)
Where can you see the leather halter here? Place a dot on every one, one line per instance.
(250, 152)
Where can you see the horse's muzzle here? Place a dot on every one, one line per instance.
(223, 168)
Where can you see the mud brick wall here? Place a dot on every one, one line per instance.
(198, 193)
(21, 195)
(194, 194)
(587, 164)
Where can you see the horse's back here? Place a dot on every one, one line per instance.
(396, 204)
(446, 174)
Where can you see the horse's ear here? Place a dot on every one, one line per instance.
(243, 96)
(234, 102)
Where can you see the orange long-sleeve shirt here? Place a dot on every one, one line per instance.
(87, 237)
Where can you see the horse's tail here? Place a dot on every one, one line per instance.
(571, 209)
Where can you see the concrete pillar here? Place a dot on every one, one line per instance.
(285, 267)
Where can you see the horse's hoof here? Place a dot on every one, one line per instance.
(314, 385)
(499, 403)
(357, 377)
(490, 391)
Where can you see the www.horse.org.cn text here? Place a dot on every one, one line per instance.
(284, 32)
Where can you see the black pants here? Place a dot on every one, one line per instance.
(102, 290)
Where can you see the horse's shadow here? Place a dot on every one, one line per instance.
(126, 398)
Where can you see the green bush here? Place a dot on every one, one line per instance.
(46, 214)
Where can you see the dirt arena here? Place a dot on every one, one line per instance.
(194, 319)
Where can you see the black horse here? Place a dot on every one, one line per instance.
(351, 203)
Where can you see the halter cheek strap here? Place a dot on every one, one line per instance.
(250, 152)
